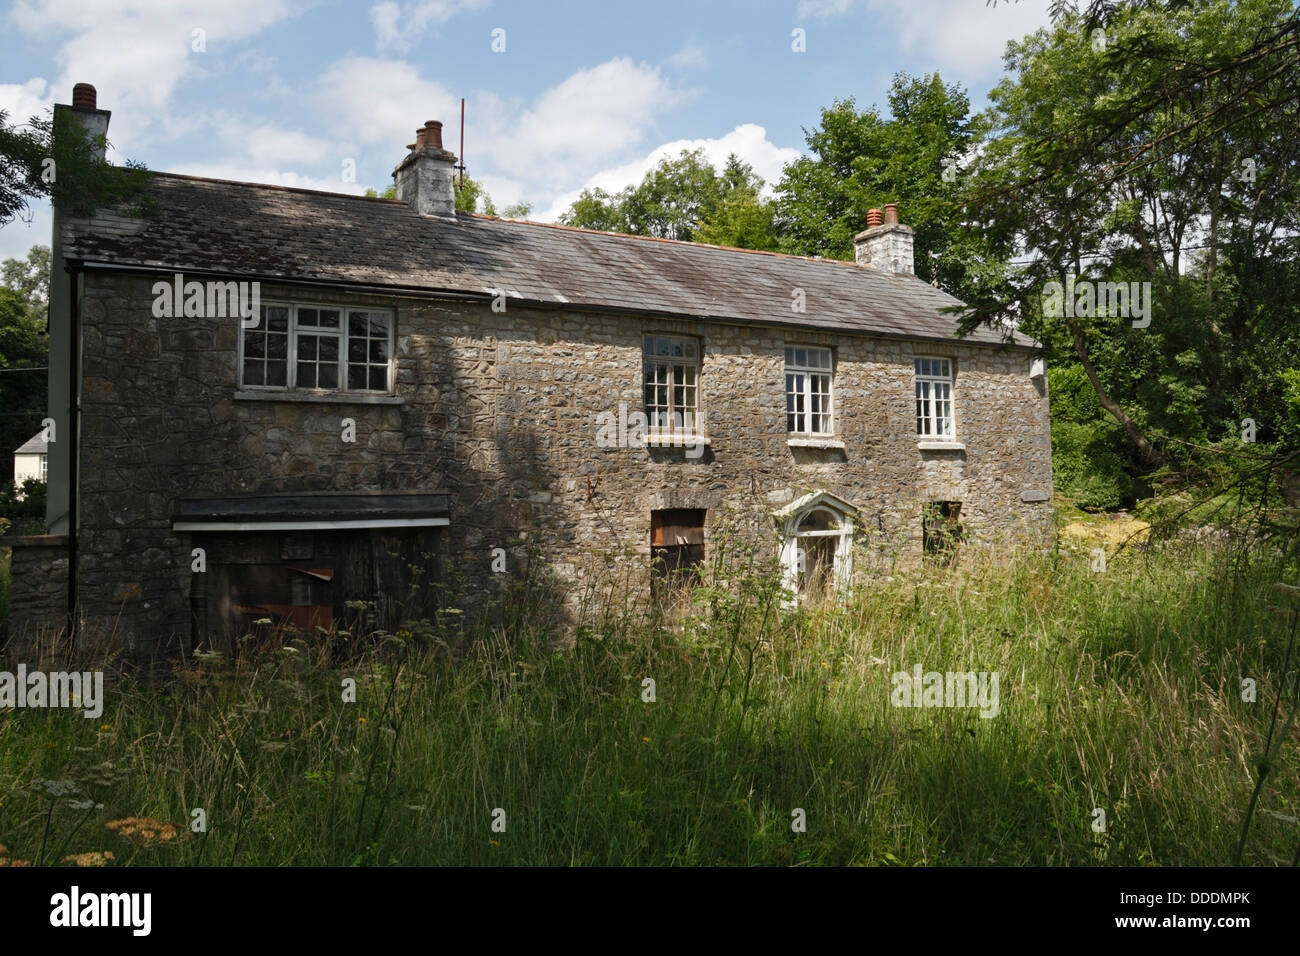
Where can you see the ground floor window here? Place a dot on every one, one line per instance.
(941, 531)
(676, 548)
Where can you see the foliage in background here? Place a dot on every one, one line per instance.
(687, 199)
(24, 302)
(859, 160)
(53, 157)
(1101, 161)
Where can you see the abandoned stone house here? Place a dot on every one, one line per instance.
(417, 391)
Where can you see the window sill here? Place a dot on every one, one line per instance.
(676, 439)
(804, 441)
(329, 398)
(940, 446)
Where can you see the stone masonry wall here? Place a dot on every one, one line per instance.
(500, 410)
(38, 588)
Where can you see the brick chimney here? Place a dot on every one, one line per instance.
(85, 111)
(885, 244)
(426, 177)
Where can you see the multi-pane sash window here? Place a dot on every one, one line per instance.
(317, 347)
(808, 391)
(672, 377)
(934, 397)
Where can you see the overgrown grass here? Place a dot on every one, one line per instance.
(1119, 691)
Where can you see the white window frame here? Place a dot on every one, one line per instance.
(808, 369)
(291, 373)
(650, 356)
(929, 380)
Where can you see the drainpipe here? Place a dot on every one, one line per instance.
(74, 438)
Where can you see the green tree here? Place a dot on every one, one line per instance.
(684, 198)
(596, 209)
(30, 278)
(53, 157)
(470, 196)
(24, 353)
(860, 160)
(1102, 164)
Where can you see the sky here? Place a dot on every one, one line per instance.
(559, 95)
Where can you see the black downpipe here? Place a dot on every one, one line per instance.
(74, 419)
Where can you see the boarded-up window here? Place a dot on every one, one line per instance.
(941, 530)
(676, 547)
(357, 581)
(303, 597)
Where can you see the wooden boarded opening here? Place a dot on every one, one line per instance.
(356, 580)
(676, 548)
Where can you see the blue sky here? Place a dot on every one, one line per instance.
(584, 93)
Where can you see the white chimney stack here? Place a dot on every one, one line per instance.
(426, 178)
(92, 119)
(885, 244)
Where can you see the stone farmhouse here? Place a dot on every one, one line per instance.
(421, 397)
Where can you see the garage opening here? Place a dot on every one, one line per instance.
(312, 563)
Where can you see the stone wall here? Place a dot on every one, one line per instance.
(38, 588)
(500, 409)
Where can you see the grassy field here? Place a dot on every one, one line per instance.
(1119, 692)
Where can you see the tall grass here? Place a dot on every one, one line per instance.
(1120, 692)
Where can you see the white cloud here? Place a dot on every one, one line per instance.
(371, 100)
(398, 25)
(135, 52)
(595, 114)
(957, 37)
(687, 57)
(269, 143)
(18, 236)
(22, 101)
(963, 39)
(748, 141)
(240, 172)
(823, 8)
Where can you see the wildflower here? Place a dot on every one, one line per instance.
(91, 858)
(645, 739)
(494, 842)
(361, 719)
(56, 788)
(147, 832)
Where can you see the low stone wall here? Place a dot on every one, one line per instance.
(38, 587)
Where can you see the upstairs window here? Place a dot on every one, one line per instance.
(934, 397)
(318, 348)
(808, 391)
(672, 382)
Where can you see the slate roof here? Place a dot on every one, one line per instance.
(35, 445)
(254, 231)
